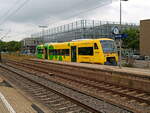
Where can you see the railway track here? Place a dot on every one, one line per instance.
(132, 99)
(121, 79)
(57, 102)
(57, 97)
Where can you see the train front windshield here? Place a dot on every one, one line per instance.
(108, 46)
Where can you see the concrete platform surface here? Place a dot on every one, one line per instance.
(18, 101)
(3, 108)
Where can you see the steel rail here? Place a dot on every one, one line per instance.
(62, 95)
(97, 87)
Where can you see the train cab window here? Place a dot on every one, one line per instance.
(108, 46)
(95, 46)
(85, 51)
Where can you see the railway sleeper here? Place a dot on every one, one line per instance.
(62, 105)
(68, 109)
(143, 104)
(124, 91)
(42, 96)
(115, 95)
(36, 89)
(131, 93)
(42, 92)
(62, 102)
(37, 93)
(57, 100)
(79, 111)
(140, 95)
(48, 98)
(146, 97)
(131, 101)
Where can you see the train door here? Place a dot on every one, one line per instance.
(46, 54)
(73, 54)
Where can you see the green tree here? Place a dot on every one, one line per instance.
(132, 42)
(11, 46)
(2, 46)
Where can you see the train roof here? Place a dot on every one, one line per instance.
(73, 41)
(78, 40)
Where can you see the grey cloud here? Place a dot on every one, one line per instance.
(38, 10)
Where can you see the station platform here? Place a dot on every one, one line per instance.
(133, 78)
(114, 69)
(18, 101)
(3, 108)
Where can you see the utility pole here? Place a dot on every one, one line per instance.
(1, 41)
(0, 55)
(1, 51)
(1, 48)
(120, 41)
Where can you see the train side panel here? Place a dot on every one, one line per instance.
(59, 52)
(100, 51)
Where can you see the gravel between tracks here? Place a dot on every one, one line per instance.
(88, 100)
(89, 90)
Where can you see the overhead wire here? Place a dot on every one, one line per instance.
(84, 11)
(12, 14)
(15, 11)
(77, 4)
(9, 10)
(74, 15)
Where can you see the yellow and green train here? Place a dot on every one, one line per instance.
(102, 51)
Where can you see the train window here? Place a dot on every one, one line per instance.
(108, 46)
(59, 52)
(51, 52)
(66, 52)
(40, 51)
(85, 51)
(95, 46)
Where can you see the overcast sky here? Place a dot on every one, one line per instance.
(20, 18)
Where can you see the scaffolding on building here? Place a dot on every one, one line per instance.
(83, 29)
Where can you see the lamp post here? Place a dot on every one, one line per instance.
(43, 27)
(120, 41)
